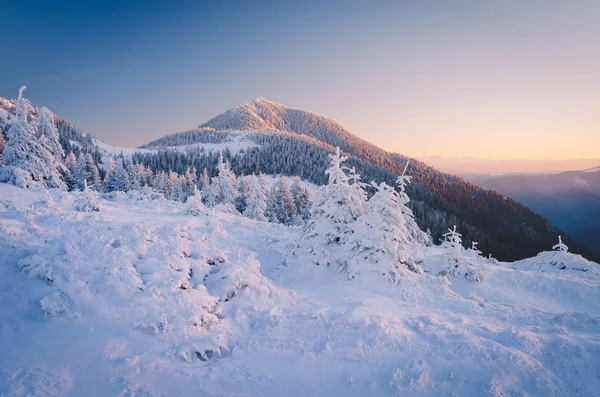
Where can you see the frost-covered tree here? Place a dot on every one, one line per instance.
(32, 155)
(243, 184)
(177, 190)
(380, 240)
(474, 248)
(194, 204)
(560, 246)
(334, 213)
(117, 178)
(204, 181)
(453, 241)
(87, 172)
(2, 143)
(302, 198)
(189, 183)
(87, 201)
(256, 200)
(223, 187)
(280, 206)
(71, 165)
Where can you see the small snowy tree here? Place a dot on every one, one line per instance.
(71, 165)
(2, 143)
(302, 198)
(560, 246)
(117, 178)
(194, 204)
(177, 190)
(381, 239)
(474, 248)
(453, 240)
(223, 187)
(87, 201)
(86, 171)
(334, 213)
(243, 183)
(256, 200)
(403, 199)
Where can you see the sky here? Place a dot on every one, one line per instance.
(498, 80)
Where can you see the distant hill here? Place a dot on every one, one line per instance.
(292, 141)
(473, 167)
(570, 200)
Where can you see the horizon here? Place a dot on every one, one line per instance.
(492, 81)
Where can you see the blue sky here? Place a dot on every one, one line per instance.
(505, 79)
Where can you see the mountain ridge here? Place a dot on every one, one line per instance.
(518, 231)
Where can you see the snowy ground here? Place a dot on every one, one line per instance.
(141, 299)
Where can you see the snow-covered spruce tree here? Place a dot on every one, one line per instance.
(117, 178)
(280, 203)
(32, 155)
(453, 242)
(380, 241)
(177, 190)
(2, 143)
(87, 201)
(411, 225)
(223, 186)
(194, 204)
(189, 183)
(334, 213)
(560, 246)
(459, 265)
(71, 164)
(204, 181)
(87, 172)
(302, 199)
(243, 183)
(256, 200)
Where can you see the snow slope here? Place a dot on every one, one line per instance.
(142, 299)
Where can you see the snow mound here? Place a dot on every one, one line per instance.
(559, 263)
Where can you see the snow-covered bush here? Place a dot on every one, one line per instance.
(57, 304)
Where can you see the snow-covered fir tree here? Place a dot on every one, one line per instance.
(32, 156)
(223, 186)
(243, 184)
(560, 246)
(87, 201)
(87, 172)
(204, 181)
(302, 198)
(380, 240)
(71, 165)
(280, 206)
(256, 200)
(194, 204)
(2, 143)
(117, 178)
(177, 190)
(334, 213)
(453, 241)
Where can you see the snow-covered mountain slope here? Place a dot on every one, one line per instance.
(143, 299)
(504, 227)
